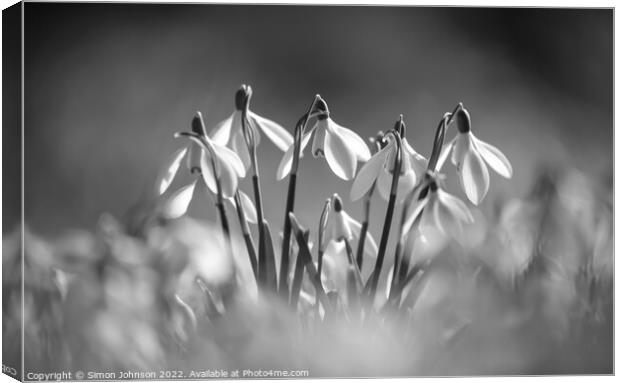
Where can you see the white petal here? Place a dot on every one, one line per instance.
(192, 158)
(228, 178)
(370, 246)
(458, 207)
(446, 219)
(230, 157)
(368, 174)
(328, 234)
(248, 207)
(221, 133)
(355, 142)
(206, 169)
(318, 142)
(406, 183)
(276, 133)
(165, 179)
(178, 203)
(414, 211)
(241, 148)
(427, 219)
(339, 156)
(287, 160)
(340, 227)
(416, 161)
(462, 143)
(384, 184)
(495, 158)
(474, 177)
(355, 225)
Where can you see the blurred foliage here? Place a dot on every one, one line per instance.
(529, 292)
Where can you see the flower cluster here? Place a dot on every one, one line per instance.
(402, 176)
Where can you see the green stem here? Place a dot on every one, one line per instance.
(353, 263)
(247, 236)
(440, 134)
(304, 253)
(388, 219)
(401, 259)
(298, 277)
(364, 229)
(290, 201)
(263, 262)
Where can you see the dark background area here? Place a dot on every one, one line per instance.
(107, 85)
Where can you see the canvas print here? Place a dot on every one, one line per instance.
(304, 191)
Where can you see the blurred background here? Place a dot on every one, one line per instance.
(107, 85)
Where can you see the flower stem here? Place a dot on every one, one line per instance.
(388, 220)
(263, 252)
(440, 135)
(401, 259)
(290, 201)
(247, 235)
(321, 234)
(364, 229)
(306, 258)
(353, 264)
(298, 277)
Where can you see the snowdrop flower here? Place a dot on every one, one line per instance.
(341, 147)
(380, 167)
(471, 157)
(230, 131)
(437, 209)
(341, 226)
(215, 162)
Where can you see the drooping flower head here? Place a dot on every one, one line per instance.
(437, 209)
(341, 147)
(215, 163)
(341, 226)
(471, 157)
(230, 131)
(380, 167)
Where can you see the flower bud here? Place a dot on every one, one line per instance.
(321, 106)
(242, 96)
(463, 121)
(197, 125)
(337, 203)
(400, 126)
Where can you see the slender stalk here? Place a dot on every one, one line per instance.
(353, 264)
(401, 259)
(222, 211)
(440, 134)
(321, 233)
(304, 252)
(290, 200)
(248, 131)
(364, 229)
(388, 219)
(247, 235)
(298, 277)
(322, 227)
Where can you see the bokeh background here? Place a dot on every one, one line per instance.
(107, 85)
